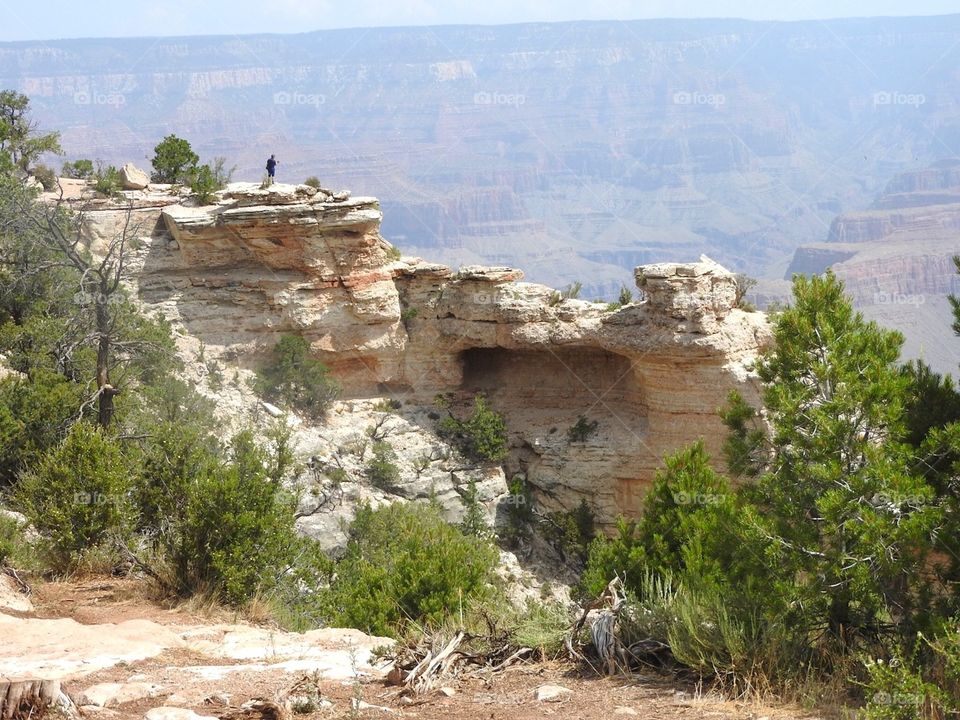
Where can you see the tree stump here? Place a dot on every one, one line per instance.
(23, 699)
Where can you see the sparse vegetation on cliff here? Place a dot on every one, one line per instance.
(582, 429)
(293, 377)
(482, 436)
(744, 284)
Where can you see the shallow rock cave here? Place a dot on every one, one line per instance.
(578, 380)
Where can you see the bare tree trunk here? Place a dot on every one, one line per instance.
(105, 390)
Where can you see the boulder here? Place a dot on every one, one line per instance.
(133, 178)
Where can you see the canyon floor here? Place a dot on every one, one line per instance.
(121, 654)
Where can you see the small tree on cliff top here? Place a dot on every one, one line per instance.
(173, 160)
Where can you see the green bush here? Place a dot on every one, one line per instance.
(408, 315)
(203, 184)
(295, 378)
(381, 469)
(77, 170)
(172, 160)
(106, 180)
(519, 511)
(474, 520)
(46, 176)
(582, 429)
(11, 535)
(205, 180)
(224, 528)
(690, 524)
(174, 462)
(35, 414)
(571, 532)
(77, 494)
(543, 627)
(919, 685)
(313, 181)
(482, 436)
(404, 564)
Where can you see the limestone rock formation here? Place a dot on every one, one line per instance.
(289, 259)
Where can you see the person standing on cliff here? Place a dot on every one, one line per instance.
(271, 168)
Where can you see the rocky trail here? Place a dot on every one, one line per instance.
(120, 655)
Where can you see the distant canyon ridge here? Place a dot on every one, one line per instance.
(575, 151)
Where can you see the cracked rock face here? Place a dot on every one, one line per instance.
(290, 259)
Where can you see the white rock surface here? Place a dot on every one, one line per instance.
(113, 694)
(64, 649)
(175, 713)
(552, 693)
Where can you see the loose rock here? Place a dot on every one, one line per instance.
(133, 178)
(552, 693)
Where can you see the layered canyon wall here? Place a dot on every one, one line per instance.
(289, 259)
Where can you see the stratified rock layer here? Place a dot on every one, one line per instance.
(651, 374)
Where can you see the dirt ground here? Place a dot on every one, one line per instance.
(507, 696)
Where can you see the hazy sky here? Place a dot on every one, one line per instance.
(114, 18)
